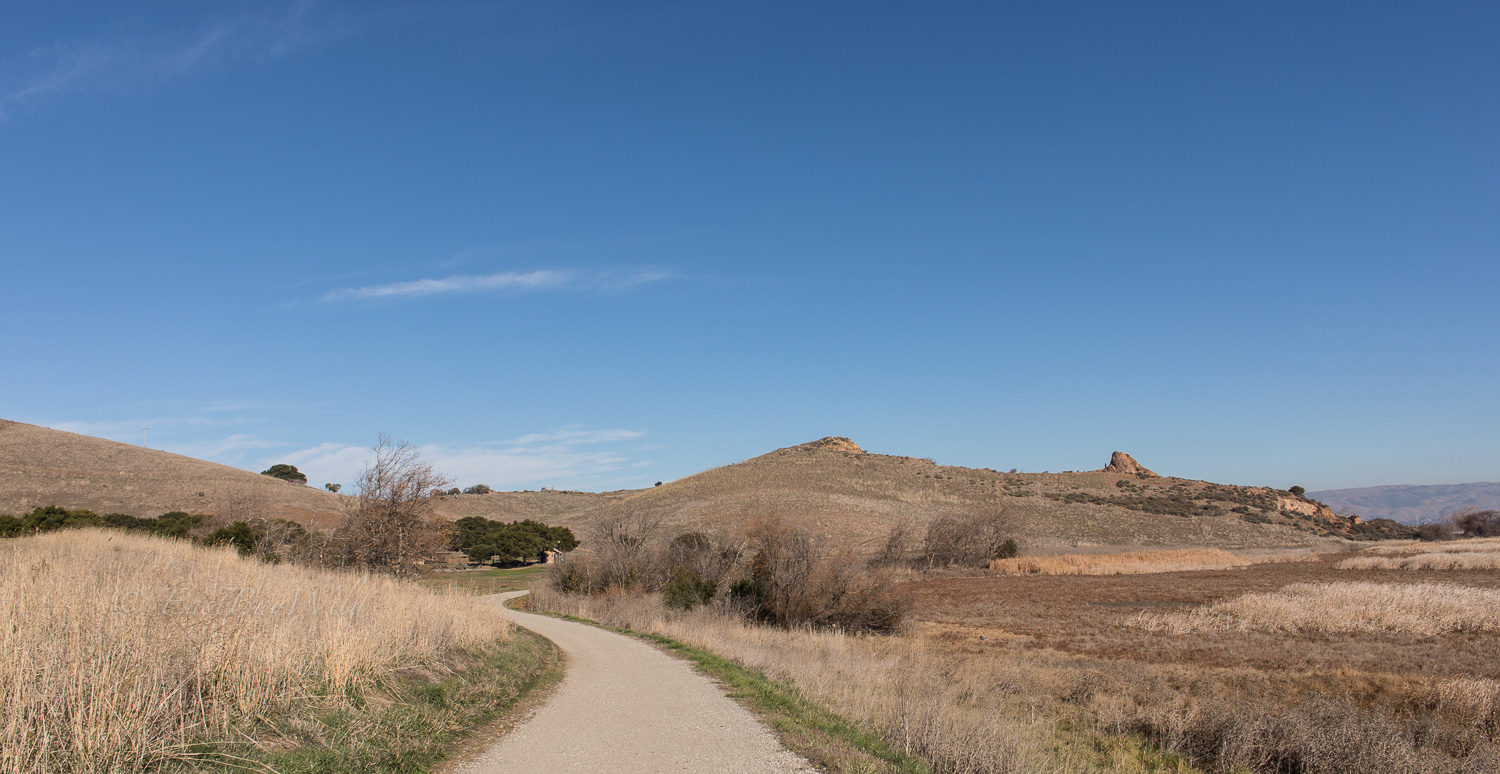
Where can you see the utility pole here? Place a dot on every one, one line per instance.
(146, 437)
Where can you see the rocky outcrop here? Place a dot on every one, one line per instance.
(1124, 464)
(831, 443)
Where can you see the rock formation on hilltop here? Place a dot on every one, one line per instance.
(1123, 463)
(831, 443)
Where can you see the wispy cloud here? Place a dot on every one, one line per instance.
(568, 457)
(128, 63)
(597, 281)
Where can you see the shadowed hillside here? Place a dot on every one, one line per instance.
(40, 466)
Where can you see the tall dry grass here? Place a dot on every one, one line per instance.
(925, 703)
(969, 708)
(1436, 560)
(1476, 554)
(1138, 562)
(1470, 545)
(1412, 608)
(117, 651)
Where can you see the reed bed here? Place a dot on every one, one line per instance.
(1467, 545)
(1343, 608)
(1138, 562)
(1435, 560)
(119, 651)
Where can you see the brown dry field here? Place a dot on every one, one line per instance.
(1092, 616)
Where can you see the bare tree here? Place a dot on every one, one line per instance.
(971, 540)
(389, 526)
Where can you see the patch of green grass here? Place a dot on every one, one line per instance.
(403, 728)
(487, 580)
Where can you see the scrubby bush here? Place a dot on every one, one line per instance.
(965, 541)
(333, 487)
(1297, 491)
(478, 489)
(1473, 522)
(239, 534)
(779, 578)
(686, 591)
(50, 518)
(285, 472)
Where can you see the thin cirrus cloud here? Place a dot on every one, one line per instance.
(141, 61)
(572, 456)
(605, 281)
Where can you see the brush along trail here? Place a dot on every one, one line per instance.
(626, 707)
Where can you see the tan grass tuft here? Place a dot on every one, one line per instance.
(1138, 562)
(118, 650)
(1412, 608)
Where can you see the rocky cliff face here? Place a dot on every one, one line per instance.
(1124, 464)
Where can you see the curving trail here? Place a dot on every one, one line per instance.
(626, 707)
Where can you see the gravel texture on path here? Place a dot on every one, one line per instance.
(626, 707)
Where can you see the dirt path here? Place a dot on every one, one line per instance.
(624, 707)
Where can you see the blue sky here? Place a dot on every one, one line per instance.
(597, 245)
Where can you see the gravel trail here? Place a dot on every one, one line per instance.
(626, 707)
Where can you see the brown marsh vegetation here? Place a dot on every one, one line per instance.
(1267, 666)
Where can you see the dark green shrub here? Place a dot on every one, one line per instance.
(478, 489)
(239, 534)
(1297, 491)
(285, 472)
(686, 591)
(1008, 550)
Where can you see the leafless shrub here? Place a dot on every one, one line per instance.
(897, 548)
(965, 541)
(389, 526)
(1476, 522)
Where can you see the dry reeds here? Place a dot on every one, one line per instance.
(1413, 608)
(116, 651)
(1437, 560)
(1137, 562)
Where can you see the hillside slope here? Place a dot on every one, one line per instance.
(834, 488)
(41, 466)
(1411, 504)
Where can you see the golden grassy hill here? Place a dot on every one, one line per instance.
(834, 488)
(41, 466)
(831, 487)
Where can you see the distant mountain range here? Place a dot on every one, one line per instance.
(1410, 504)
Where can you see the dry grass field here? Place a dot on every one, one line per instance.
(1237, 660)
(119, 652)
(1140, 562)
(1299, 667)
(1480, 554)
